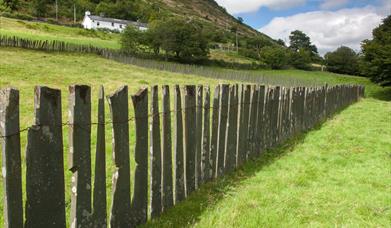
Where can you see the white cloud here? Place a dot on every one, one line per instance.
(385, 10)
(333, 4)
(247, 6)
(328, 30)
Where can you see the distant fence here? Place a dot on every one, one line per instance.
(119, 56)
(213, 134)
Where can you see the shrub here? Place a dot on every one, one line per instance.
(19, 16)
(274, 56)
(300, 59)
(344, 60)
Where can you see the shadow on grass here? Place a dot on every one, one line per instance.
(383, 94)
(188, 212)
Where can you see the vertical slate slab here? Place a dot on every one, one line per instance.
(199, 134)
(231, 131)
(243, 142)
(260, 125)
(215, 130)
(120, 208)
(281, 110)
(269, 102)
(80, 154)
(252, 121)
(223, 115)
(99, 198)
(168, 200)
(190, 137)
(236, 124)
(45, 189)
(302, 109)
(11, 170)
(140, 194)
(206, 166)
(240, 120)
(178, 144)
(239, 148)
(276, 114)
(155, 156)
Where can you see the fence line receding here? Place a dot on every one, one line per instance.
(202, 138)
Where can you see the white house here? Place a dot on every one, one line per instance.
(96, 22)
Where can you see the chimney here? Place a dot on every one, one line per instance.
(88, 13)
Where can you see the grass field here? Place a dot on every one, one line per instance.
(230, 56)
(45, 31)
(25, 69)
(335, 175)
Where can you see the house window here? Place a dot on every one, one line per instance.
(120, 26)
(112, 24)
(97, 24)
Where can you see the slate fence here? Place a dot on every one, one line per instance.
(212, 134)
(119, 56)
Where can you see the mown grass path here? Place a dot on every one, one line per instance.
(335, 175)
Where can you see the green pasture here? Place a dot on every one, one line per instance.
(335, 175)
(46, 31)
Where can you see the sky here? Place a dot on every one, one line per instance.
(329, 23)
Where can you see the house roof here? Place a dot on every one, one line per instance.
(118, 21)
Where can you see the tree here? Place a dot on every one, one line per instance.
(299, 40)
(240, 19)
(344, 60)
(281, 42)
(300, 59)
(12, 4)
(40, 7)
(377, 54)
(132, 39)
(253, 46)
(274, 56)
(184, 38)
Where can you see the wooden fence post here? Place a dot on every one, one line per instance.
(80, 154)
(223, 115)
(45, 188)
(120, 208)
(168, 200)
(179, 158)
(156, 156)
(199, 135)
(190, 137)
(100, 202)
(140, 193)
(215, 126)
(12, 168)
(206, 166)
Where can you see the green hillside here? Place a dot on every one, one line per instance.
(206, 11)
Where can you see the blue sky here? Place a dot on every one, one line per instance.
(329, 23)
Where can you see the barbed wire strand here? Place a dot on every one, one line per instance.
(129, 119)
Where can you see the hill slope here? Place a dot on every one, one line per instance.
(208, 11)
